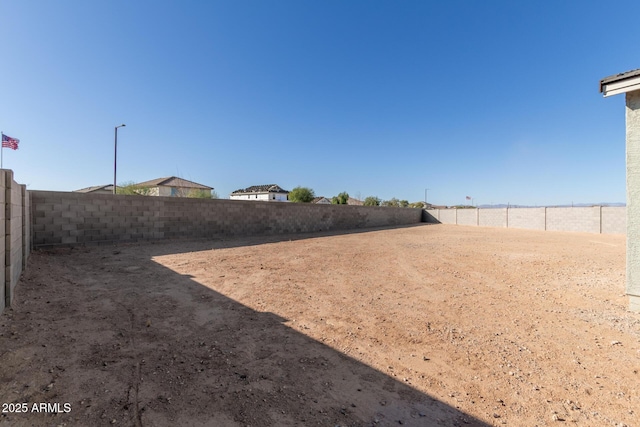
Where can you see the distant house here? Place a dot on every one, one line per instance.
(173, 187)
(355, 202)
(97, 189)
(321, 201)
(265, 193)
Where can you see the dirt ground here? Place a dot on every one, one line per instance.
(430, 325)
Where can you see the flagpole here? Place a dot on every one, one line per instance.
(1, 151)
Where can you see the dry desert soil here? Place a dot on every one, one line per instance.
(429, 325)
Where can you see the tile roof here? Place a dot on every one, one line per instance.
(108, 187)
(318, 199)
(173, 181)
(268, 188)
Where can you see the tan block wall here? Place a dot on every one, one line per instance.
(492, 217)
(15, 234)
(596, 219)
(62, 218)
(614, 220)
(448, 216)
(4, 294)
(583, 219)
(531, 218)
(467, 216)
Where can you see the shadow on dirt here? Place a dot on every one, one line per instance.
(174, 352)
(162, 246)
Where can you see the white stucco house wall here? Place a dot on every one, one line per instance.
(628, 83)
(173, 187)
(264, 193)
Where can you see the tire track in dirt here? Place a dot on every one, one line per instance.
(134, 385)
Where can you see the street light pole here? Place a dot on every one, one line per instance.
(115, 157)
(425, 196)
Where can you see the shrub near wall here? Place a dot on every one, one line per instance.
(63, 218)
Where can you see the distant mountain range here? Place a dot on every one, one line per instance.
(575, 205)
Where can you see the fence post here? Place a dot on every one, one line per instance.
(600, 219)
(507, 216)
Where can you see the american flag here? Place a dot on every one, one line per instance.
(468, 197)
(8, 142)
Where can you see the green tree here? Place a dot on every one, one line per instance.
(394, 203)
(372, 201)
(194, 193)
(197, 193)
(340, 199)
(301, 195)
(132, 189)
(419, 205)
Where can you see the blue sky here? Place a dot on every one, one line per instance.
(497, 100)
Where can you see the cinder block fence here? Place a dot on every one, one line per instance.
(15, 233)
(594, 219)
(62, 218)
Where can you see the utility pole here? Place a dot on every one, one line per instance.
(115, 156)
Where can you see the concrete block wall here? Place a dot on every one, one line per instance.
(430, 216)
(448, 216)
(14, 232)
(596, 219)
(64, 218)
(492, 217)
(614, 220)
(4, 294)
(13, 243)
(582, 219)
(530, 218)
(468, 216)
(26, 226)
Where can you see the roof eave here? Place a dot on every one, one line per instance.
(620, 83)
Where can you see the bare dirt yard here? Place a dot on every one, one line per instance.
(431, 325)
